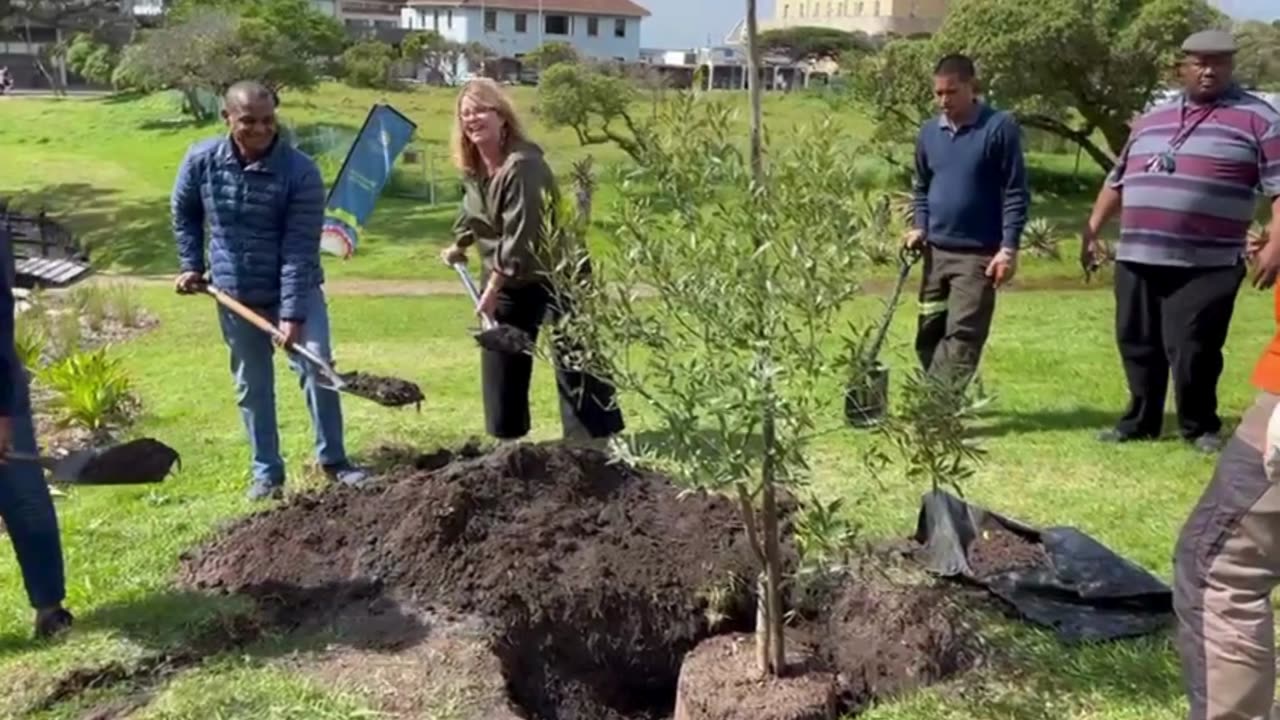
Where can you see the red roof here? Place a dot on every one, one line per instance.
(624, 8)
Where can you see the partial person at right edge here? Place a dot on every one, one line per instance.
(1186, 188)
(970, 208)
(505, 177)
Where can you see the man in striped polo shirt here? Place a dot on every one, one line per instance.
(1186, 186)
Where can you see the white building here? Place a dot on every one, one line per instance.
(602, 29)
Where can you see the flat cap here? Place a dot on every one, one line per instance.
(1210, 42)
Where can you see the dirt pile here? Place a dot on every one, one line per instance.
(997, 549)
(597, 577)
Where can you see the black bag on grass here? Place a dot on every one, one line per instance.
(1058, 577)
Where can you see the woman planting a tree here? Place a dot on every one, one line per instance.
(506, 181)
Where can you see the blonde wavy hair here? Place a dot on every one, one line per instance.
(487, 93)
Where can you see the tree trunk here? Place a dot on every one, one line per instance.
(1052, 125)
(776, 642)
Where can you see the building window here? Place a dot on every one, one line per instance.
(593, 26)
(448, 19)
(490, 20)
(435, 19)
(876, 11)
(786, 10)
(620, 27)
(556, 24)
(522, 22)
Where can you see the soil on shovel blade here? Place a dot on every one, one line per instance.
(595, 576)
(998, 549)
(390, 392)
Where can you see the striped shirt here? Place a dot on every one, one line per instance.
(1199, 214)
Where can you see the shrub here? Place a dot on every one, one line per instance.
(91, 302)
(90, 389)
(64, 334)
(29, 338)
(1042, 239)
(123, 306)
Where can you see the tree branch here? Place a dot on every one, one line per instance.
(1061, 129)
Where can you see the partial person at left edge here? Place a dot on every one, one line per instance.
(26, 507)
(263, 201)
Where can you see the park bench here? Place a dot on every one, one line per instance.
(46, 253)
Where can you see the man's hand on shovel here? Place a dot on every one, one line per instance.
(292, 334)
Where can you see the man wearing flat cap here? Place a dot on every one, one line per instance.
(1186, 186)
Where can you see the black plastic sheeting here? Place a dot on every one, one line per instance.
(1087, 593)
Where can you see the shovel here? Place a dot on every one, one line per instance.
(867, 398)
(389, 392)
(494, 336)
(137, 462)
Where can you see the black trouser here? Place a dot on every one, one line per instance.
(957, 303)
(1173, 319)
(588, 406)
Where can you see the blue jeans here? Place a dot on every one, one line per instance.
(27, 508)
(252, 353)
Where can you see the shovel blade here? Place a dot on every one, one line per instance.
(137, 462)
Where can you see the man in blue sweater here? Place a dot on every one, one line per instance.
(25, 505)
(263, 202)
(970, 207)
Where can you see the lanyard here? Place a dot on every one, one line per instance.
(1181, 137)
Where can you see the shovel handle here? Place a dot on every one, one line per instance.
(264, 325)
(485, 321)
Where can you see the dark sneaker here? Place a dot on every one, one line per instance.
(265, 490)
(347, 474)
(1207, 444)
(53, 622)
(1116, 437)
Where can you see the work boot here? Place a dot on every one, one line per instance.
(347, 474)
(263, 489)
(1209, 444)
(51, 622)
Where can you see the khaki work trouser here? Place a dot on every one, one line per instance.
(1226, 563)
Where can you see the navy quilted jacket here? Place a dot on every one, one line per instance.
(264, 221)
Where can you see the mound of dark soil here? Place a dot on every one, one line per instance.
(997, 549)
(883, 639)
(594, 574)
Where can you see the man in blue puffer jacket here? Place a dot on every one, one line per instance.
(263, 202)
(25, 505)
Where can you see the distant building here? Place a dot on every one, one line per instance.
(510, 29)
(724, 67)
(903, 18)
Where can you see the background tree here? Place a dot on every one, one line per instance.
(552, 53)
(1078, 69)
(811, 44)
(208, 51)
(369, 64)
(1258, 63)
(594, 103)
(92, 59)
(313, 35)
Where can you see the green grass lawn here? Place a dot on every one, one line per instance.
(1052, 365)
(107, 165)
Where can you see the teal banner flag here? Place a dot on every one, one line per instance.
(364, 173)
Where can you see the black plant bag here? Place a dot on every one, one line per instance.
(1088, 593)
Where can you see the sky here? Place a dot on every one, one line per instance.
(688, 23)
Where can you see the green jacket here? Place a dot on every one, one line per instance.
(503, 216)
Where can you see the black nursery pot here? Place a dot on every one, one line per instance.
(866, 398)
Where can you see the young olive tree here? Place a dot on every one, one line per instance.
(717, 301)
